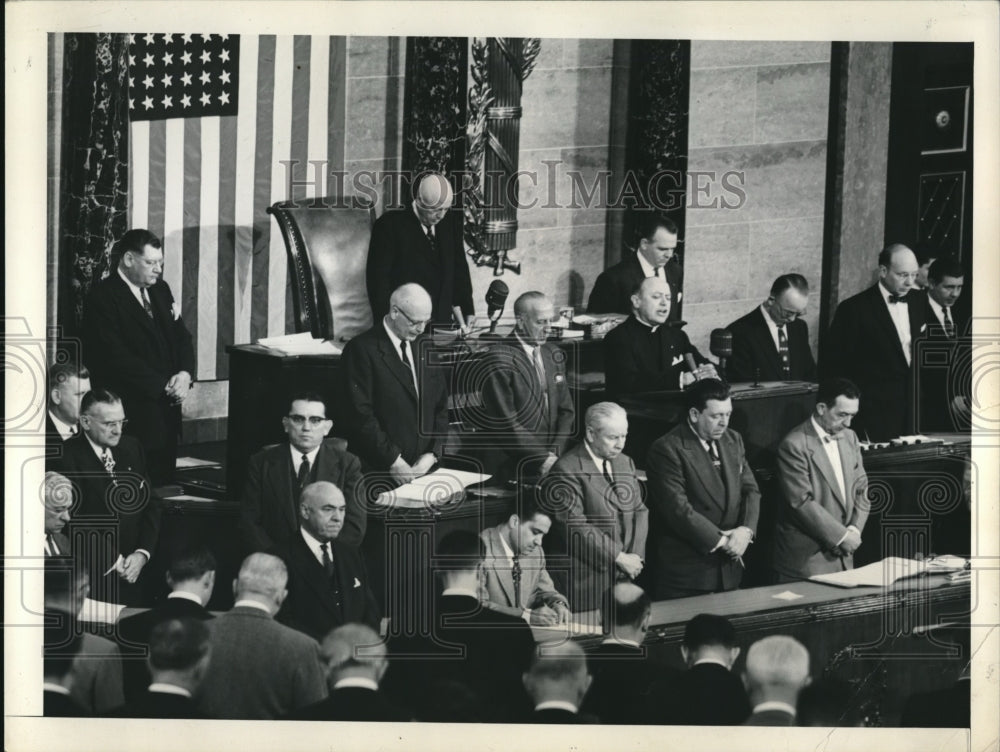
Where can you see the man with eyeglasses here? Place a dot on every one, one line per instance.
(117, 523)
(135, 343)
(771, 343)
(870, 343)
(277, 474)
(396, 405)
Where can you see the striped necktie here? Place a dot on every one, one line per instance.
(145, 302)
(786, 363)
(949, 324)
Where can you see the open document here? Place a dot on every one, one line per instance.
(300, 344)
(884, 573)
(434, 489)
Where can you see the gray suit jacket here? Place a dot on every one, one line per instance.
(260, 669)
(815, 515)
(497, 589)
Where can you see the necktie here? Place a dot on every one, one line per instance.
(949, 325)
(656, 272)
(515, 571)
(303, 476)
(540, 371)
(331, 572)
(607, 473)
(145, 302)
(431, 240)
(897, 298)
(786, 363)
(73, 430)
(403, 352)
(109, 462)
(713, 450)
(51, 549)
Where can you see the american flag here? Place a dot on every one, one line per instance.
(213, 117)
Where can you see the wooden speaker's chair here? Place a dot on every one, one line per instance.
(327, 244)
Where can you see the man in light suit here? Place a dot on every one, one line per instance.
(771, 343)
(870, 343)
(515, 580)
(269, 515)
(824, 486)
(396, 410)
(327, 579)
(598, 516)
(703, 498)
(260, 669)
(68, 382)
(527, 408)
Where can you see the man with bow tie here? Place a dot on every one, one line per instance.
(870, 342)
(825, 488)
(135, 342)
(117, 524)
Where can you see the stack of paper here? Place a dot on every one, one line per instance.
(433, 489)
(300, 344)
(884, 573)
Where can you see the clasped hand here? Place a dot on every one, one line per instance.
(547, 616)
(630, 564)
(177, 387)
(737, 541)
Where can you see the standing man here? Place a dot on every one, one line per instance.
(704, 498)
(396, 413)
(824, 486)
(598, 516)
(136, 344)
(870, 343)
(422, 244)
(327, 580)
(526, 401)
(657, 244)
(109, 470)
(67, 385)
(643, 354)
(771, 343)
(270, 512)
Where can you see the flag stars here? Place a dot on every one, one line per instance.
(131, 103)
(205, 77)
(186, 58)
(223, 37)
(206, 99)
(186, 79)
(168, 102)
(186, 38)
(131, 82)
(131, 38)
(149, 38)
(148, 60)
(224, 98)
(224, 76)
(148, 103)
(224, 55)
(131, 61)
(206, 56)
(186, 101)
(168, 58)
(167, 80)
(168, 38)
(147, 81)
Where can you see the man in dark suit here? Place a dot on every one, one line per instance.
(708, 693)
(422, 244)
(870, 343)
(109, 470)
(703, 498)
(61, 645)
(68, 382)
(943, 352)
(824, 488)
(771, 343)
(135, 342)
(777, 668)
(327, 580)
(356, 661)
(643, 354)
(260, 669)
(481, 649)
(557, 683)
(598, 516)
(514, 579)
(269, 515)
(628, 685)
(657, 244)
(179, 654)
(527, 410)
(396, 410)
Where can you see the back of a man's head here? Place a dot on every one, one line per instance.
(459, 554)
(558, 672)
(777, 668)
(179, 651)
(262, 578)
(354, 650)
(709, 636)
(625, 611)
(192, 570)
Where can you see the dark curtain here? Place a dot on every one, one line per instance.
(93, 192)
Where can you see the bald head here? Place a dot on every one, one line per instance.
(354, 650)
(777, 668)
(534, 314)
(558, 672)
(433, 200)
(607, 429)
(410, 308)
(651, 301)
(57, 495)
(321, 510)
(262, 578)
(897, 268)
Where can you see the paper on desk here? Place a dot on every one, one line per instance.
(889, 570)
(187, 497)
(99, 611)
(787, 595)
(434, 488)
(300, 344)
(187, 463)
(573, 628)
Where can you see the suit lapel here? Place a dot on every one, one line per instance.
(316, 575)
(822, 462)
(705, 470)
(280, 478)
(766, 344)
(498, 561)
(731, 469)
(129, 303)
(881, 318)
(395, 365)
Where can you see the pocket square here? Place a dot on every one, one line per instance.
(357, 582)
(923, 328)
(678, 359)
(560, 378)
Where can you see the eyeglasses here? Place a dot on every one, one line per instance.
(108, 423)
(786, 314)
(413, 322)
(300, 420)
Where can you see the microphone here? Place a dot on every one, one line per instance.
(496, 299)
(721, 346)
(689, 359)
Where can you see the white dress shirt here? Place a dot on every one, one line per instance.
(169, 689)
(134, 289)
(409, 351)
(356, 681)
(938, 311)
(900, 313)
(65, 429)
(314, 545)
(773, 328)
(186, 596)
(832, 449)
(297, 458)
(598, 461)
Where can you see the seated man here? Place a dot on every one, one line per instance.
(58, 499)
(514, 578)
(598, 517)
(396, 409)
(277, 474)
(327, 580)
(825, 488)
(777, 669)
(642, 354)
(771, 343)
(704, 498)
(527, 410)
(68, 382)
(557, 683)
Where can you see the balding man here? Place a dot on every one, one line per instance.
(423, 244)
(557, 682)
(771, 343)
(598, 516)
(68, 382)
(356, 661)
(327, 580)
(58, 498)
(643, 354)
(396, 410)
(777, 668)
(527, 408)
(260, 669)
(870, 343)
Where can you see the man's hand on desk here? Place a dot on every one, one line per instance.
(547, 465)
(630, 564)
(401, 471)
(424, 464)
(705, 371)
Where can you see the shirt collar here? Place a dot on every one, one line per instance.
(648, 270)
(99, 451)
(297, 456)
(461, 591)
(64, 428)
(506, 547)
(769, 321)
(652, 327)
(557, 705)
(599, 461)
(135, 289)
(423, 228)
(819, 429)
(705, 445)
(620, 641)
(774, 705)
(184, 594)
(316, 546)
(169, 689)
(57, 688)
(885, 293)
(710, 659)
(528, 347)
(392, 335)
(248, 603)
(356, 681)
(937, 308)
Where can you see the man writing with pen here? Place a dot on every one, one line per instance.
(703, 499)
